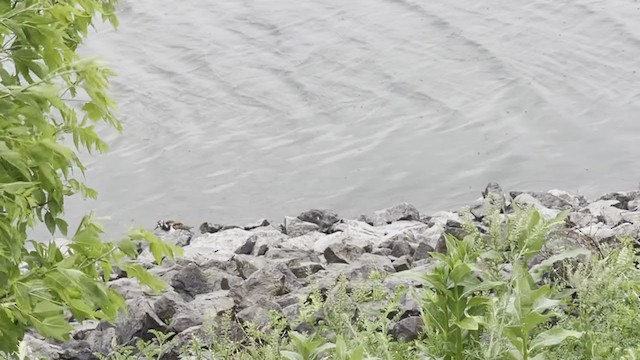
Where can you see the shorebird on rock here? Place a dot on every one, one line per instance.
(170, 225)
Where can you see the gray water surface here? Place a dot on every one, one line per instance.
(236, 110)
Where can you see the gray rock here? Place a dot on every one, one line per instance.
(139, 319)
(268, 237)
(191, 281)
(237, 241)
(248, 264)
(422, 251)
(40, 349)
(304, 242)
(342, 253)
(528, 200)
(354, 238)
(606, 211)
(203, 307)
(407, 329)
(295, 227)
(401, 248)
(381, 251)
(323, 218)
(258, 313)
(494, 196)
(623, 198)
(292, 254)
(403, 211)
(177, 237)
(168, 304)
(306, 268)
(272, 280)
(257, 224)
(631, 216)
(580, 219)
(402, 263)
(129, 288)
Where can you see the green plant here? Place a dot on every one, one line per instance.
(342, 352)
(40, 76)
(306, 348)
(455, 301)
(152, 349)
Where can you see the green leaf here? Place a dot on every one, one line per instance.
(553, 337)
(50, 221)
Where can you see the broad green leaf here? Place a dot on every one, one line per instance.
(552, 337)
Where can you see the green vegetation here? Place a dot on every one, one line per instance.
(483, 300)
(49, 98)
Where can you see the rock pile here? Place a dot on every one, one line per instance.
(247, 271)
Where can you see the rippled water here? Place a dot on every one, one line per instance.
(235, 110)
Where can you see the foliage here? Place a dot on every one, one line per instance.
(50, 97)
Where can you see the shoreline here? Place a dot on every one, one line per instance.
(247, 271)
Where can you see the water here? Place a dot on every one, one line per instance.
(238, 110)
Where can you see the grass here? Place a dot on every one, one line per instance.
(483, 300)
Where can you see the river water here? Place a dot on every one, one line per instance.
(236, 110)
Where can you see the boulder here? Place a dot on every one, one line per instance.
(257, 224)
(305, 268)
(401, 248)
(248, 264)
(407, 329)
(605, 211)
(342, 253)
(191, 281)
(402, 263)
(528, 200)
(138, 320)
(295, 227)
(259, 313)
(271, 281)
(402, 211)
(325, 219)
(177, 237)
(202, 307)
(422, 251)
(237, 241)
(494, 196)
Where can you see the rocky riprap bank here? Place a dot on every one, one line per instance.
(248, 271)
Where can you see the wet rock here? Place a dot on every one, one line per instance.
(295, 227)
(342, 253)
(323, 218)
(407, 329)
(402, 263)
(403, 211)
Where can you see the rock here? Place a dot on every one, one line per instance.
(286, 255)
(606, 211)
(402, 263)
(354, 238)
(139, 319)
(580, 219)
(191, 281)
(258, 313)
(306, 268)
(401, 248)
(342, 253)
(494, 196)
(365, 219)
(214, 228)
(257, 224)
(272, 280)
(237, 241)
(422, 251)
(267, 237)
(177, 237)
(631, 216)
(295, 227)
(323, 218)
(403, 211)
(623, 199)
(168, 304)
(556, 200)
(407, 329)
(203, 307)
(381, 251)
(528, 200)
(248, 264)
(129, 288)
(40, 349)
(304, 242)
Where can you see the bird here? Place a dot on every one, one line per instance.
(170, 225)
